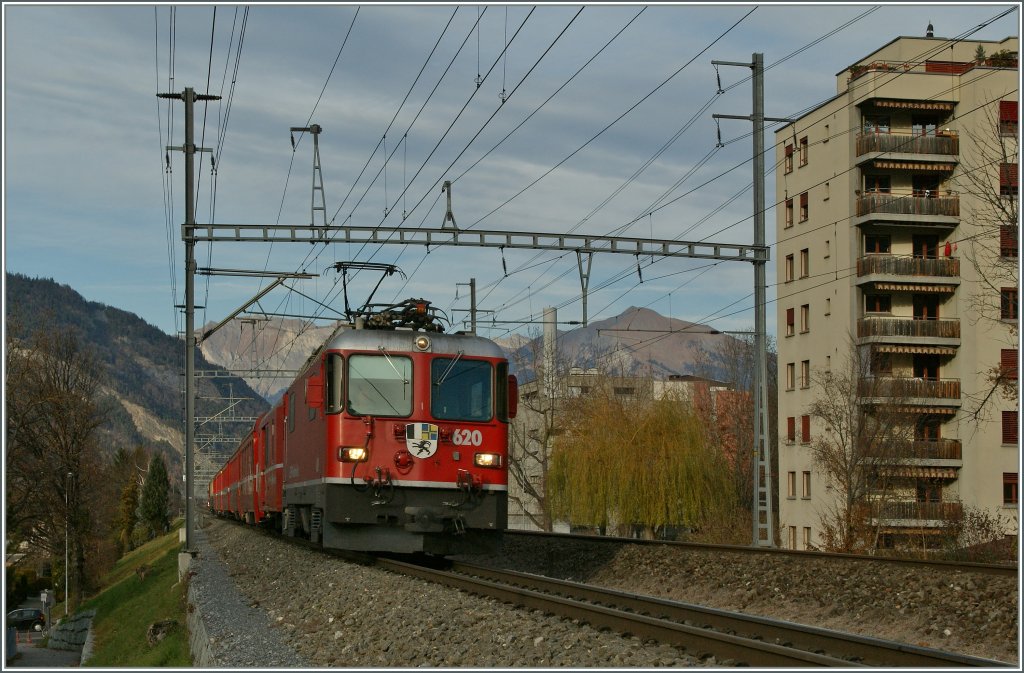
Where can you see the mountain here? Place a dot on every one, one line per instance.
(142, 371)
(642, 340)
(637, 341)
(264, 345)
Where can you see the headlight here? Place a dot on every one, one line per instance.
(352, 454)
(487, 460)
(422, 343)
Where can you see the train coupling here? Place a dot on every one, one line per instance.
(433, 520)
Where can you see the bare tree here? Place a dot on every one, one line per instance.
(54, 410)
(866, 432)
(990, 247)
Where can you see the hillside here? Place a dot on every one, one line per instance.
(142, 368)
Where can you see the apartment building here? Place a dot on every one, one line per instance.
(896, 229)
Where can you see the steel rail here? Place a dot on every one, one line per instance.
(695, 640)
(847, 647)
(965, 566)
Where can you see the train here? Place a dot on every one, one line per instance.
(392, 438)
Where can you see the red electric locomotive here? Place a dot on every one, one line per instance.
(394, 437)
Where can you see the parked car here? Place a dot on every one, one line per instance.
(26, 619)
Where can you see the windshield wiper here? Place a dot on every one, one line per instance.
(448, 371)
(388, 357)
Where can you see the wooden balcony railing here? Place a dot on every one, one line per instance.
(908, 327)
(917, 511)
(907, 204)
(921, 449)
(897, 265)
(945, 142)
(908, 387)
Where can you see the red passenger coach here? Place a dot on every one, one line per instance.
(394, 437)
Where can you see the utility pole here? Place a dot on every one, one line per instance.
(761, 464)
(472, 305)
(189, 96)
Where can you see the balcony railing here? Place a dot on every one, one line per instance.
(917, 511)
(921, 449)
(944, 142)
(909, 387)
(908, 327)
(908, 204)
(896, 265)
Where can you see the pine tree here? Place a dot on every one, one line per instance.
(154, 497)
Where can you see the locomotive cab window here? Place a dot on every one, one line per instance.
(379, 385)
(461, 390)
(334, 368)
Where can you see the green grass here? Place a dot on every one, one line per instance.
(128, 605)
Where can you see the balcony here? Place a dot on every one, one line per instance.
(912, 328)
(897, 265)
(928, 451)
(887, 203)
(945, 143)
(908, 388)
(917, 511)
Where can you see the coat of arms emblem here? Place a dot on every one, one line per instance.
(421, 439)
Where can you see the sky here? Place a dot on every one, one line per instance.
(605, 111)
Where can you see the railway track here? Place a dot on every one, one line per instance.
(728, 636)
(985, 568)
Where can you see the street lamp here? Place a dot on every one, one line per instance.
(67, 517)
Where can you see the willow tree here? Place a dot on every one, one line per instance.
(630, 461)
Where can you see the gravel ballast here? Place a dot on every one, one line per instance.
(268, 594)
(279, 605)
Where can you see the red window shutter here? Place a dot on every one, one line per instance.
(1009, 427)
(790, 317)
(1007, 236)
(1008, 111)
(1008, 363)
(791, 428)
(1008, 175)
(789, 150)
(803, 200)
(805, 428)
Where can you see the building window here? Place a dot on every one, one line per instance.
(828, 363)
(881, 364)
(792, 537)
(791, 430)
(805, 429)
(791, 485)
(1010, 427)
(1008, 179)
(806, 486)
(803, 207)
(1008, 240)
(805, 263)
(807, 537)
(1010, 488)
(789, 213)
(791, 376)
(828, 192)
(877, 244)
(805, 374)
(828, 248)
(1008, 117)
(1008, 363)
(789, 159)
(789, 268)
(878, 303)
(803, 151)
(790, 322)
(1008, 303)
(825, 139)
(876, 123)
(881, 184)
(805, 318)
(828, 306)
